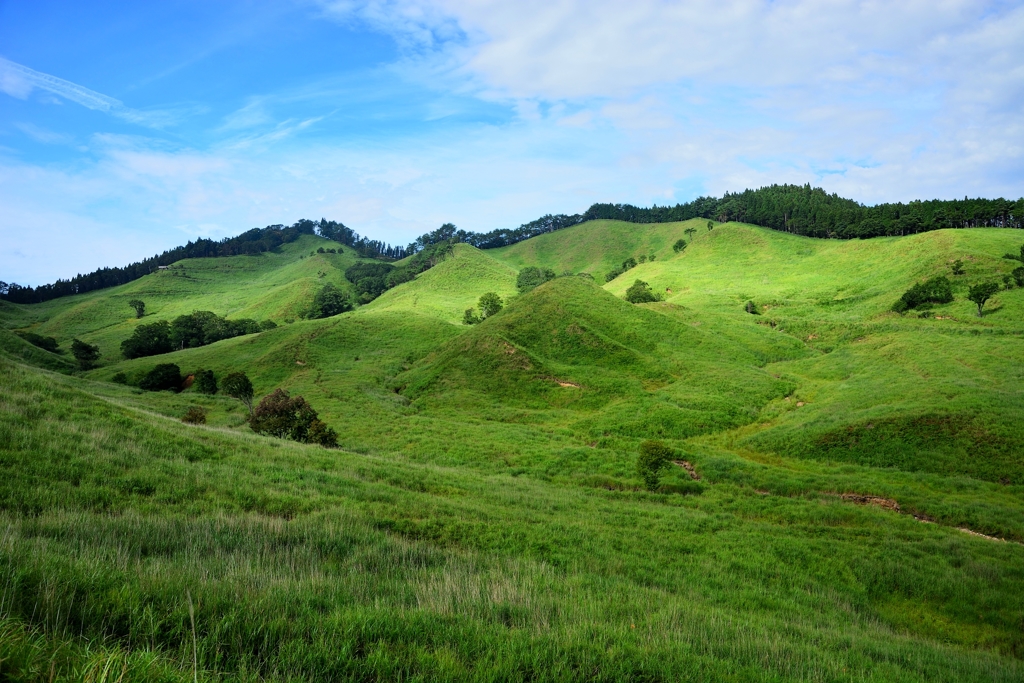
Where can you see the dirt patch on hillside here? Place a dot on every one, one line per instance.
(885, 503)
(686, 465)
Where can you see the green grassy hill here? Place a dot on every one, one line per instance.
(273, 285)
(595, 247)
(448, 289)
(484, 519)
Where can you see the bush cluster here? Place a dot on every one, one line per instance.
(371, 279)
(532, 277)
(198, 328)
(163, 377)
(291, 417)
(489, 304)
(329, 301)
(937, 290)
(641, 293)
(46, 343)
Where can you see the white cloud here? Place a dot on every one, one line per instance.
(19, 81)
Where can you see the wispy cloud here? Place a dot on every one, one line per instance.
(19, 81)
(40, 134)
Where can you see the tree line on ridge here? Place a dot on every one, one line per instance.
(797, 209)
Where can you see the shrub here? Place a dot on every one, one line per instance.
(148, 340)
(958, 267)
(628, 263)
(612, 274)
(1018, 276)
(140, 307)
(654, 457)
(982, 292)
(267, 325)
(205, 382)
(938, 290)
(320, 433)
(679, 245)
(711, 225)
(200, 328)
(85, 354)
(531, 277)
(640, 293)
(119, 378)
(237, 385)
(284, 416)
(45, 343)
(329, 301)
(642, 258)
(490, 303)
(163, 377)
(470, 317)
(195, 415)
(751, 308)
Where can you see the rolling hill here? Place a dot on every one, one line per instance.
(838, 468)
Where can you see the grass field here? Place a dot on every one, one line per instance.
(483, 519)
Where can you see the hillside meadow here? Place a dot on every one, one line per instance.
(851, 505)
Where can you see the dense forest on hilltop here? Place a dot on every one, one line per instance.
(798, 209)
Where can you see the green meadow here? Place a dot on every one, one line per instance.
(855, 509)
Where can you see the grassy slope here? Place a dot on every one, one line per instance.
(595, 247)
(938, 400)
(448, 289)
(326, 565)
(275, 285)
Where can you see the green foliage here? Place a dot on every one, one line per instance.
(679, 245)
(200, 328)
(937, 290)
(329, 301)
(957, 267)
(690, 232)
(533, 276)
(641, 293)
(46, 343)
(148, 340)
(267, 325)
(205, 382)
(139, 305)
(751, 308)
(470, 317)
(490, 304)
(86, 354)
(238, 385)
(163, 377)
(291, 417)
(982, 292)
(369, 278)
(711, 225)
(652, 459)
(119, 378)
(1018, 276)
(195, 415)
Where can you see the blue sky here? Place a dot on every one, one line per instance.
(129, 128)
